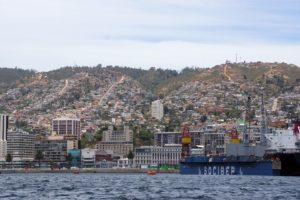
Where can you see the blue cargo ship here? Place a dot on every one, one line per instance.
(204, 165)
(277, 154)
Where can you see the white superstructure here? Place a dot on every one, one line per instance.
(282, 139)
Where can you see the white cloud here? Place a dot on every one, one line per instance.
(46, 34)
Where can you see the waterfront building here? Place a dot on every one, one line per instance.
(72, 141)
(104, 156)
(170, 154)
(66, 126)
(75, 155)
(98, 158)
(3, 136)
(121, 148)
(88, 158)
(157, 110)
(54, 150)
(106, 164)
(124, 163)
(211, 137)
(20, 145)
(142, 156)
(118, 141)
(162, 138)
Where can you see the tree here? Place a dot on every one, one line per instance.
(130, 155)
(21, 124)
(99, 134)
(69, 159)
(9, 158)
(166, 109)
(145, 136)
(39, 156)
(203, 118)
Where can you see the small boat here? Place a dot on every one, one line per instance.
(75, 170)
(151, 172)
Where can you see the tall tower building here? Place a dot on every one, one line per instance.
(157, 110)
(20, 145)
(3, 135)
(66, 127)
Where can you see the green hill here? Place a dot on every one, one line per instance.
(9, 77)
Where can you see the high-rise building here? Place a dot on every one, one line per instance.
(20, 145)
(66, 126)
(3, 136)
(157, 110)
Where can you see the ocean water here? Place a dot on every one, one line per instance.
(141, 186)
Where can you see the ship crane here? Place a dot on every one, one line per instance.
(263, 129)
(186, 142)
(247, 117)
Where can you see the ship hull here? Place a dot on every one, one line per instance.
(290, 164)
(230, 168)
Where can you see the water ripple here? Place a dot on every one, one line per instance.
(141, 186)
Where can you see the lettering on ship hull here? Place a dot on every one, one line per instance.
(219, 170)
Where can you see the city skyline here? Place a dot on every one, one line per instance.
(46, 35)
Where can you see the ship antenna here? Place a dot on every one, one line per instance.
(263, 128)
(247, 117)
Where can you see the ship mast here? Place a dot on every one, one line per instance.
(263, 127)
(247, 117)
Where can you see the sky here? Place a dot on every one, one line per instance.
(49, 34)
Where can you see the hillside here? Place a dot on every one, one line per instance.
(103, 96)
(275, 75)
(150, 79)
(162, 82)
(244, 78)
